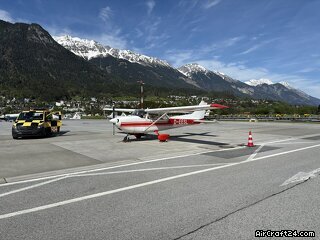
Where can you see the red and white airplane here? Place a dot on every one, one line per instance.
(142, 121)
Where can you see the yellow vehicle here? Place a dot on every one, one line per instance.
(36, 122)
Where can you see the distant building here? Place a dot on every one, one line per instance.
(59, 104)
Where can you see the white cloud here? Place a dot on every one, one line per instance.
(257, 46)
(111, 33)
(251, 49)
(313, 89)
(188, 5)
(138, 32)
(5, 16)
(152, 36)
(105, 13)
(150, 5)
(235, 70)
(58, 31)
(308, 70)
(112, 40)
(179, 58)
(231, 41)
(211, 3)
(151, 27)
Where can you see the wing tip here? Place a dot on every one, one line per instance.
(218, 106)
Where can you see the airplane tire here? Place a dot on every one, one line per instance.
(138, 136)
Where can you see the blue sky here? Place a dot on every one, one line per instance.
(247, 39)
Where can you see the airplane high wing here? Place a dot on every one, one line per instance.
(142, 121)
(186, 108)
(129, 110)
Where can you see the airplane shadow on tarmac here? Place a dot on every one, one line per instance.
(183, 138)
(198, 141)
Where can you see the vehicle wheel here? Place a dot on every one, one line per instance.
(45, 132)
(14, 137)
(48, 132)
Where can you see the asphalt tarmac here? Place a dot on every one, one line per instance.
(202, 184)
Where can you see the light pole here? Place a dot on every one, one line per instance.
(141, 93)
(113, 116)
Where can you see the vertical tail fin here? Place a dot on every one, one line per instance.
(196, 115)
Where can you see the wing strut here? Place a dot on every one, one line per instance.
(155, 121)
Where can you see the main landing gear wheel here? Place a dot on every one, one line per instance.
(126, 139)
(138, 136)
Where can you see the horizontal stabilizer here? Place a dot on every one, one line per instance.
(205, 121)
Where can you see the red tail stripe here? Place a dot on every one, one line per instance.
(215, 105)
(170, 122)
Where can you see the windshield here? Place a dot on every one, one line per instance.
(30, 116)
(139, 112)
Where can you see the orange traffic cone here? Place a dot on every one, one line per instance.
(250, 141)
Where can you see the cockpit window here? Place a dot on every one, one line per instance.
(139, 112)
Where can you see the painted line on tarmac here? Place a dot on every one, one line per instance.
(74, 200)
(96, 195)
(289, 143)
(255, 153)
(286, 152)
(279, 141)
(32, 186)
(118, 166)
(301, 176)
(136, 163)
(105, 173)
(148, 169)
(283, 141)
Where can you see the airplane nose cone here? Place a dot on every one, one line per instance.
(113, 120)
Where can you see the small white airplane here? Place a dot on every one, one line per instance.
(142, 121)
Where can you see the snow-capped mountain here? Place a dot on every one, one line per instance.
(255, 88)
(89, 49)
(214, 80)
(256, 82)
(192, 68)
(286, 84)
(281, 91)
(126, 64)
(132, 66)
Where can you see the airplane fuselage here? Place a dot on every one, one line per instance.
(138, 125)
